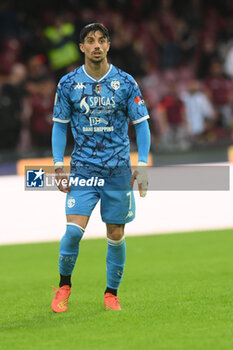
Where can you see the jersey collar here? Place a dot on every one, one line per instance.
(97, 80)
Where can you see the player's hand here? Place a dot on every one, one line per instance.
(62, 180)
(140, 174)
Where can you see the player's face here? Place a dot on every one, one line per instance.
(95, 46)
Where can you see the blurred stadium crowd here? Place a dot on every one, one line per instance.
(180, 53)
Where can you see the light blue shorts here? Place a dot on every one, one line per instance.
(117, 200)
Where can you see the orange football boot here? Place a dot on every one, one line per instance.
(111, 302)
(60, 300)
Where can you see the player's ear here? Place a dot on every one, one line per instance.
(81, 46)
(108, 46)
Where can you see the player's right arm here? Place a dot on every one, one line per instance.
(61, 118)
(58, 148)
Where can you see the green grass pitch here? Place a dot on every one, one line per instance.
(177, 293)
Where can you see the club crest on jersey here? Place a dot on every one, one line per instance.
(115, 84)
(98, 88)
(79, 86)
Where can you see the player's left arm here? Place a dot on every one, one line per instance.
(143, 144)
(138, 114)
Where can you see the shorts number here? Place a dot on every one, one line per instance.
(129, 194)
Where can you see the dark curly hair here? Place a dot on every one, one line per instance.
(93, 27)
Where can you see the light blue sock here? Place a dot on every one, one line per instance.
(116, 255)
(69, 248)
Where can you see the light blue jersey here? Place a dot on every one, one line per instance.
(99, 111)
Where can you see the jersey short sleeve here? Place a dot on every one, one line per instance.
(62, 107)
(136, 106)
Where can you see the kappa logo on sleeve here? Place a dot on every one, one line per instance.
(80, 86)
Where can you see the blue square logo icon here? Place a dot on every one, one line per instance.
(35, 178)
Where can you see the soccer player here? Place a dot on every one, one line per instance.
(98, 100)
